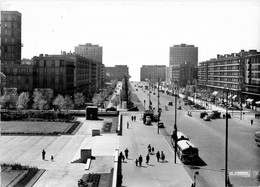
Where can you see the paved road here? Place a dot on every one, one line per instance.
(244, 155)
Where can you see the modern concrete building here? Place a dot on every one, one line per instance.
(94, 53)
(237, 72)
(181, 54)
(117, 73)
(89, 51)
(251, 86)
(153, 72)
(11, 38)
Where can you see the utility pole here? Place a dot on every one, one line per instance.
(175, 127)
(158, 105)
(149, 106)
(227, 182)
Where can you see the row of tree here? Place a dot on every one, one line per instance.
(42, 99)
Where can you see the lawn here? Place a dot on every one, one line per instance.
(34, 127)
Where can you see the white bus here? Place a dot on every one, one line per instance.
(187, 152)
(180, 136)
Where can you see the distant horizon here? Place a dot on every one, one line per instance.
(136, 33)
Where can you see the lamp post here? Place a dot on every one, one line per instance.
(175, 126)
(227, 182)
(159, 114)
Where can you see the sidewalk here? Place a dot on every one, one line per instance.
(246, 116)
(136, 139)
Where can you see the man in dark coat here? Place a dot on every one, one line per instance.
(147, 159)
(158, 156)
(43, 154)
(126, 153)
(140, 160)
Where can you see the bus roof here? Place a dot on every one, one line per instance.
(181, 135)
(185, 144)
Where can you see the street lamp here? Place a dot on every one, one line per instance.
(227, 182)
(175, 126)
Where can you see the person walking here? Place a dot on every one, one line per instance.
(252, 122)
(132, 118)
(162, 156)
(158, 156)
(136, 162)
(147, 159)
(52, 158)
(140, 160)
(43, 154)
(152, 150)
(149, 148)
(123, 157)
(128, 124)
(126, 153)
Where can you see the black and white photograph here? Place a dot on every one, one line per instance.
(130, 93)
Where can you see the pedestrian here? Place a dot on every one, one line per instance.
(123, 158)
(149, 150)
(162, 156)
(126, 153)
(158, 156)
(252, 122)
(152, 150)
(140, 160)
(128, 124)
(147, 159)
(136, 162)
(43, 154)
(52, 158)
(132, 118)
(149, 146)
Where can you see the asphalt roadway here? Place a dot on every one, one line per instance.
(209, 137)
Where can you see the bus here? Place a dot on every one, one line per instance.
(187, 152)
(257, 138)
(180, 136)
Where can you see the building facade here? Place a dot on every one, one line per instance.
(65, 74)
(152, 73)
(11, 38)
(117, 73)
(95, 54)
(89, 51)
(232, 74)
(179, 55)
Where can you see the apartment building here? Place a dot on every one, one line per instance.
(152, 73)
(233, 75)
(11, 42)
(117, 73)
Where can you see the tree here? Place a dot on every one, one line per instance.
(97, 99)
(68, 103)
(115, 101)
(59, 102)
(9, 99)
(42, 98)
(2, 82)
(23, 100)
(79, 99)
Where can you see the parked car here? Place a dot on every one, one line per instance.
(170, 103)
(134, 108)
(203, 114)
(111, 109)
(216, 114)
(161, 125)
(206, 118)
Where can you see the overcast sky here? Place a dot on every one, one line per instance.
(138, 32)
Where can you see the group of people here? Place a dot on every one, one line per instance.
(43, 155)
(122, 156)
(150, 152)
(133, 118)
(139, 160)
